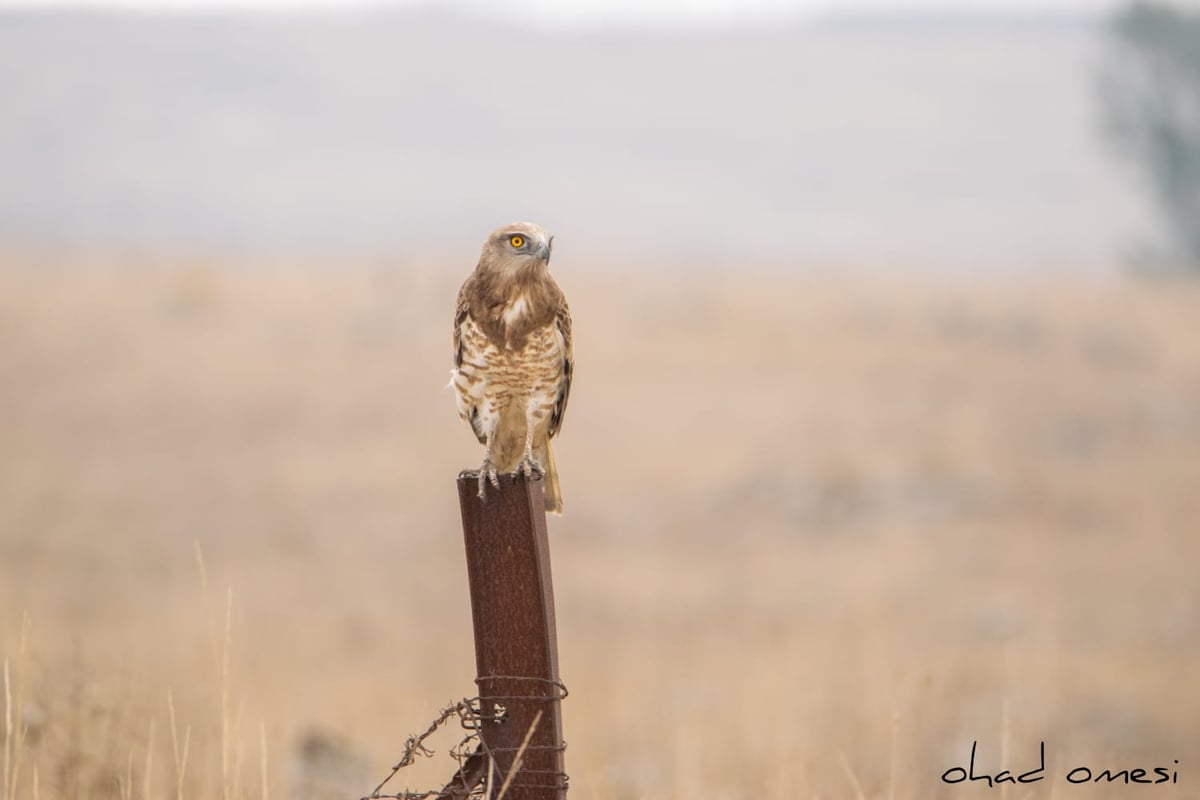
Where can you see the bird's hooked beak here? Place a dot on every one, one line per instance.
(543, 250)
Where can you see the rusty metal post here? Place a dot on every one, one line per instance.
(516, 645)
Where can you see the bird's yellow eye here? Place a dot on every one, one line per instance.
(516, 241)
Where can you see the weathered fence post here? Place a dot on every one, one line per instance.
(516, 645)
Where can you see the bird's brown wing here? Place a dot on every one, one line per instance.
(562, 319)
(461, 312)
(460, 316)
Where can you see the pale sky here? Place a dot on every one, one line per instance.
(843, 147)
(641, 11)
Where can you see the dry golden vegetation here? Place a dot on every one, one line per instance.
(821, 533)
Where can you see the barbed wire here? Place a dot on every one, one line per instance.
(476, 760)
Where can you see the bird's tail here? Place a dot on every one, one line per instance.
(554, 502)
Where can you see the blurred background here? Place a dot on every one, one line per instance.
(885, 435)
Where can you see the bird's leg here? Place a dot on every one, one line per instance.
(529, 466)
(487, 472)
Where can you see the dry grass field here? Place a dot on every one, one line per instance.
(821, 532)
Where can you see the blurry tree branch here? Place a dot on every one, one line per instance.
(1150, 92)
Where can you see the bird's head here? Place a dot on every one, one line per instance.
(517, 247)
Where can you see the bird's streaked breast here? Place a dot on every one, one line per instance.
(496, 374)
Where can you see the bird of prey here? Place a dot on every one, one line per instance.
(513, 357)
